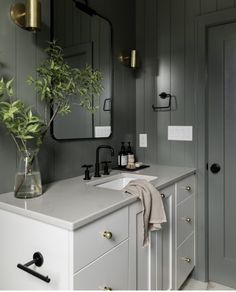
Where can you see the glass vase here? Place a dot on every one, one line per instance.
(28, 178)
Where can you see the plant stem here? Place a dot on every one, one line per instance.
(17, 145)
(24, 145)
(50, 121)
(21, 183)
(26, 170)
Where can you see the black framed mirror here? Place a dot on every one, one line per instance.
(86, 38)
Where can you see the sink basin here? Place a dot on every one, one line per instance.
(119, 181)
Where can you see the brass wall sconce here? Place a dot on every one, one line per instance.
(130, 59)
(27, 16)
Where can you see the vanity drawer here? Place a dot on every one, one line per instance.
(185, 260)
(110, 271)
(185, 188)
(90, 241)
(185, 219)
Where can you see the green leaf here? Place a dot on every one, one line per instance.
(33, 128)
(57, 84)
(9, 88)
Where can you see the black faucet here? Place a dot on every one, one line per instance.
(97, 164)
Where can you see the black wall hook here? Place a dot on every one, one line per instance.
(163, 95)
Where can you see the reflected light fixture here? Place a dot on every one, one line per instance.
(28, 15)
(129, 59)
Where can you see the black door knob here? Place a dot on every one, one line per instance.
(215, 168)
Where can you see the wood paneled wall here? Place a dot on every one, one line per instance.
(165, 31)
(22, 51)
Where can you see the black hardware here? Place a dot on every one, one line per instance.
(38, 261)
(97, 164)
(106, 167)
(215, 168)
(163, 95)
(86, 173)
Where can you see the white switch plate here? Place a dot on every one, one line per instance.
(143, 140)
(180, 133)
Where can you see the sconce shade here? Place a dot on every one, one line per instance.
(129, 59)
(133, 63)
(33, 15)
(27, 16)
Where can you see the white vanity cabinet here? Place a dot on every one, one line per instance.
(104, 254)
(93, 257)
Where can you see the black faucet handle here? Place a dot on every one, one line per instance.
(106, 167)
(87, 166)
(86, 173)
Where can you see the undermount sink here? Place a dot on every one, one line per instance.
(119, 181)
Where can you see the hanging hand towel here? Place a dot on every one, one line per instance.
(153, 209)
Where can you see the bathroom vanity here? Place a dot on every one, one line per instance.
(90, 237)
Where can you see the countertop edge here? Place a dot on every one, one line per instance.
(69, 226)
(174, 180)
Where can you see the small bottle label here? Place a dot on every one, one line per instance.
(124, 160)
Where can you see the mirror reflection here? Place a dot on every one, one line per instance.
(87, 40)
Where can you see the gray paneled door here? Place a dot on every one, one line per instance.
(222, 153)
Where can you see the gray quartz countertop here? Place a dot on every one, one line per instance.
(72, 203)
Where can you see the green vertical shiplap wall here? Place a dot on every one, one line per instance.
(20, 53)
(165, 32)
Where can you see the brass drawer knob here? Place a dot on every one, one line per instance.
(107, 234)
(107, 288)
(163, 196)
(187, 260)
(188, 188)
(188, 220)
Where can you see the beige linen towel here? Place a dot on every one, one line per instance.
(153, 209)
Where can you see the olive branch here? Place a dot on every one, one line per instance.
(58, 84)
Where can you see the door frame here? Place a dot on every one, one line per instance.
(202, 24)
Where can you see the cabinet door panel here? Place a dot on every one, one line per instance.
(162, 247)
(109, 271)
